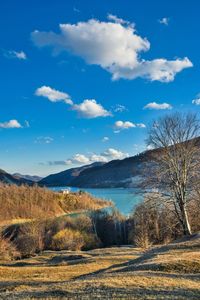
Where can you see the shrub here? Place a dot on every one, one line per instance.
(67, 239)
(7, 250)
(154, 223)
(82, 223)
(90, 241)
(27, 245)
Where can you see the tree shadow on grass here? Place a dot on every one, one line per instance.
(103, 292)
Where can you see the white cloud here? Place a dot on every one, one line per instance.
(10, 124)
(120, 125)
(149, 147)
(53, 95)
(115, 19)
(140, 125)
(158, 106)
(196, 101)
(105, 139)
(15, 54)
(98, 158)
(113, 45)
(75, 160)
(114, 154)
(89, 108)
(81, 159)
(124, 125)
(119, 108)
(20, 55)
(164, 21)
(44, 140)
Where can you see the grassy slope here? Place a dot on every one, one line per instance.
(167, 272)
(21, 203)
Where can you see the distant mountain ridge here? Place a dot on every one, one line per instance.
(33, 178)
(11, 179)
(116, 173)
(66, 177)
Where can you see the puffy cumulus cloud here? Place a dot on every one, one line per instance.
(81, 159)
(75, 160)
(44, 140)
(120, 125)
(15, 54)
(124, 125)
(158, 106)
(89, 108)
(114, 154)
(53, 95)
(113, 45)
(164, 21)
(10, 124)
(196, 101)
(98, 158)
(161, 69)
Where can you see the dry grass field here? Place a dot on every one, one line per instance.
(166, 272)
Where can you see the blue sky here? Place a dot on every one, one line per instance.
(87, 90)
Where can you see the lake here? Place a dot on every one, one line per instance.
(125, 199)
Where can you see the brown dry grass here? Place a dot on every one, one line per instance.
(112, 273)
(25, 203)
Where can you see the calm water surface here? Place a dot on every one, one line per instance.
(124, 199)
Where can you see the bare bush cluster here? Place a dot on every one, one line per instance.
(8, 250)
(155, 222)
(61, 233)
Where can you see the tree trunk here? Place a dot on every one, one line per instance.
(186, 224)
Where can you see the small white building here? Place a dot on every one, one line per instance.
(64, 192)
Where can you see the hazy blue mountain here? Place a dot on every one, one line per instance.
(10, 179)
(33, 178)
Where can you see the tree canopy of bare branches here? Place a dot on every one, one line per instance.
(174, 162)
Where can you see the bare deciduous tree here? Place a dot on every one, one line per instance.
(174, 168)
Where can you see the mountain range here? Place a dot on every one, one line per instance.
(12, 179)
(33, 178)
(116, 173)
